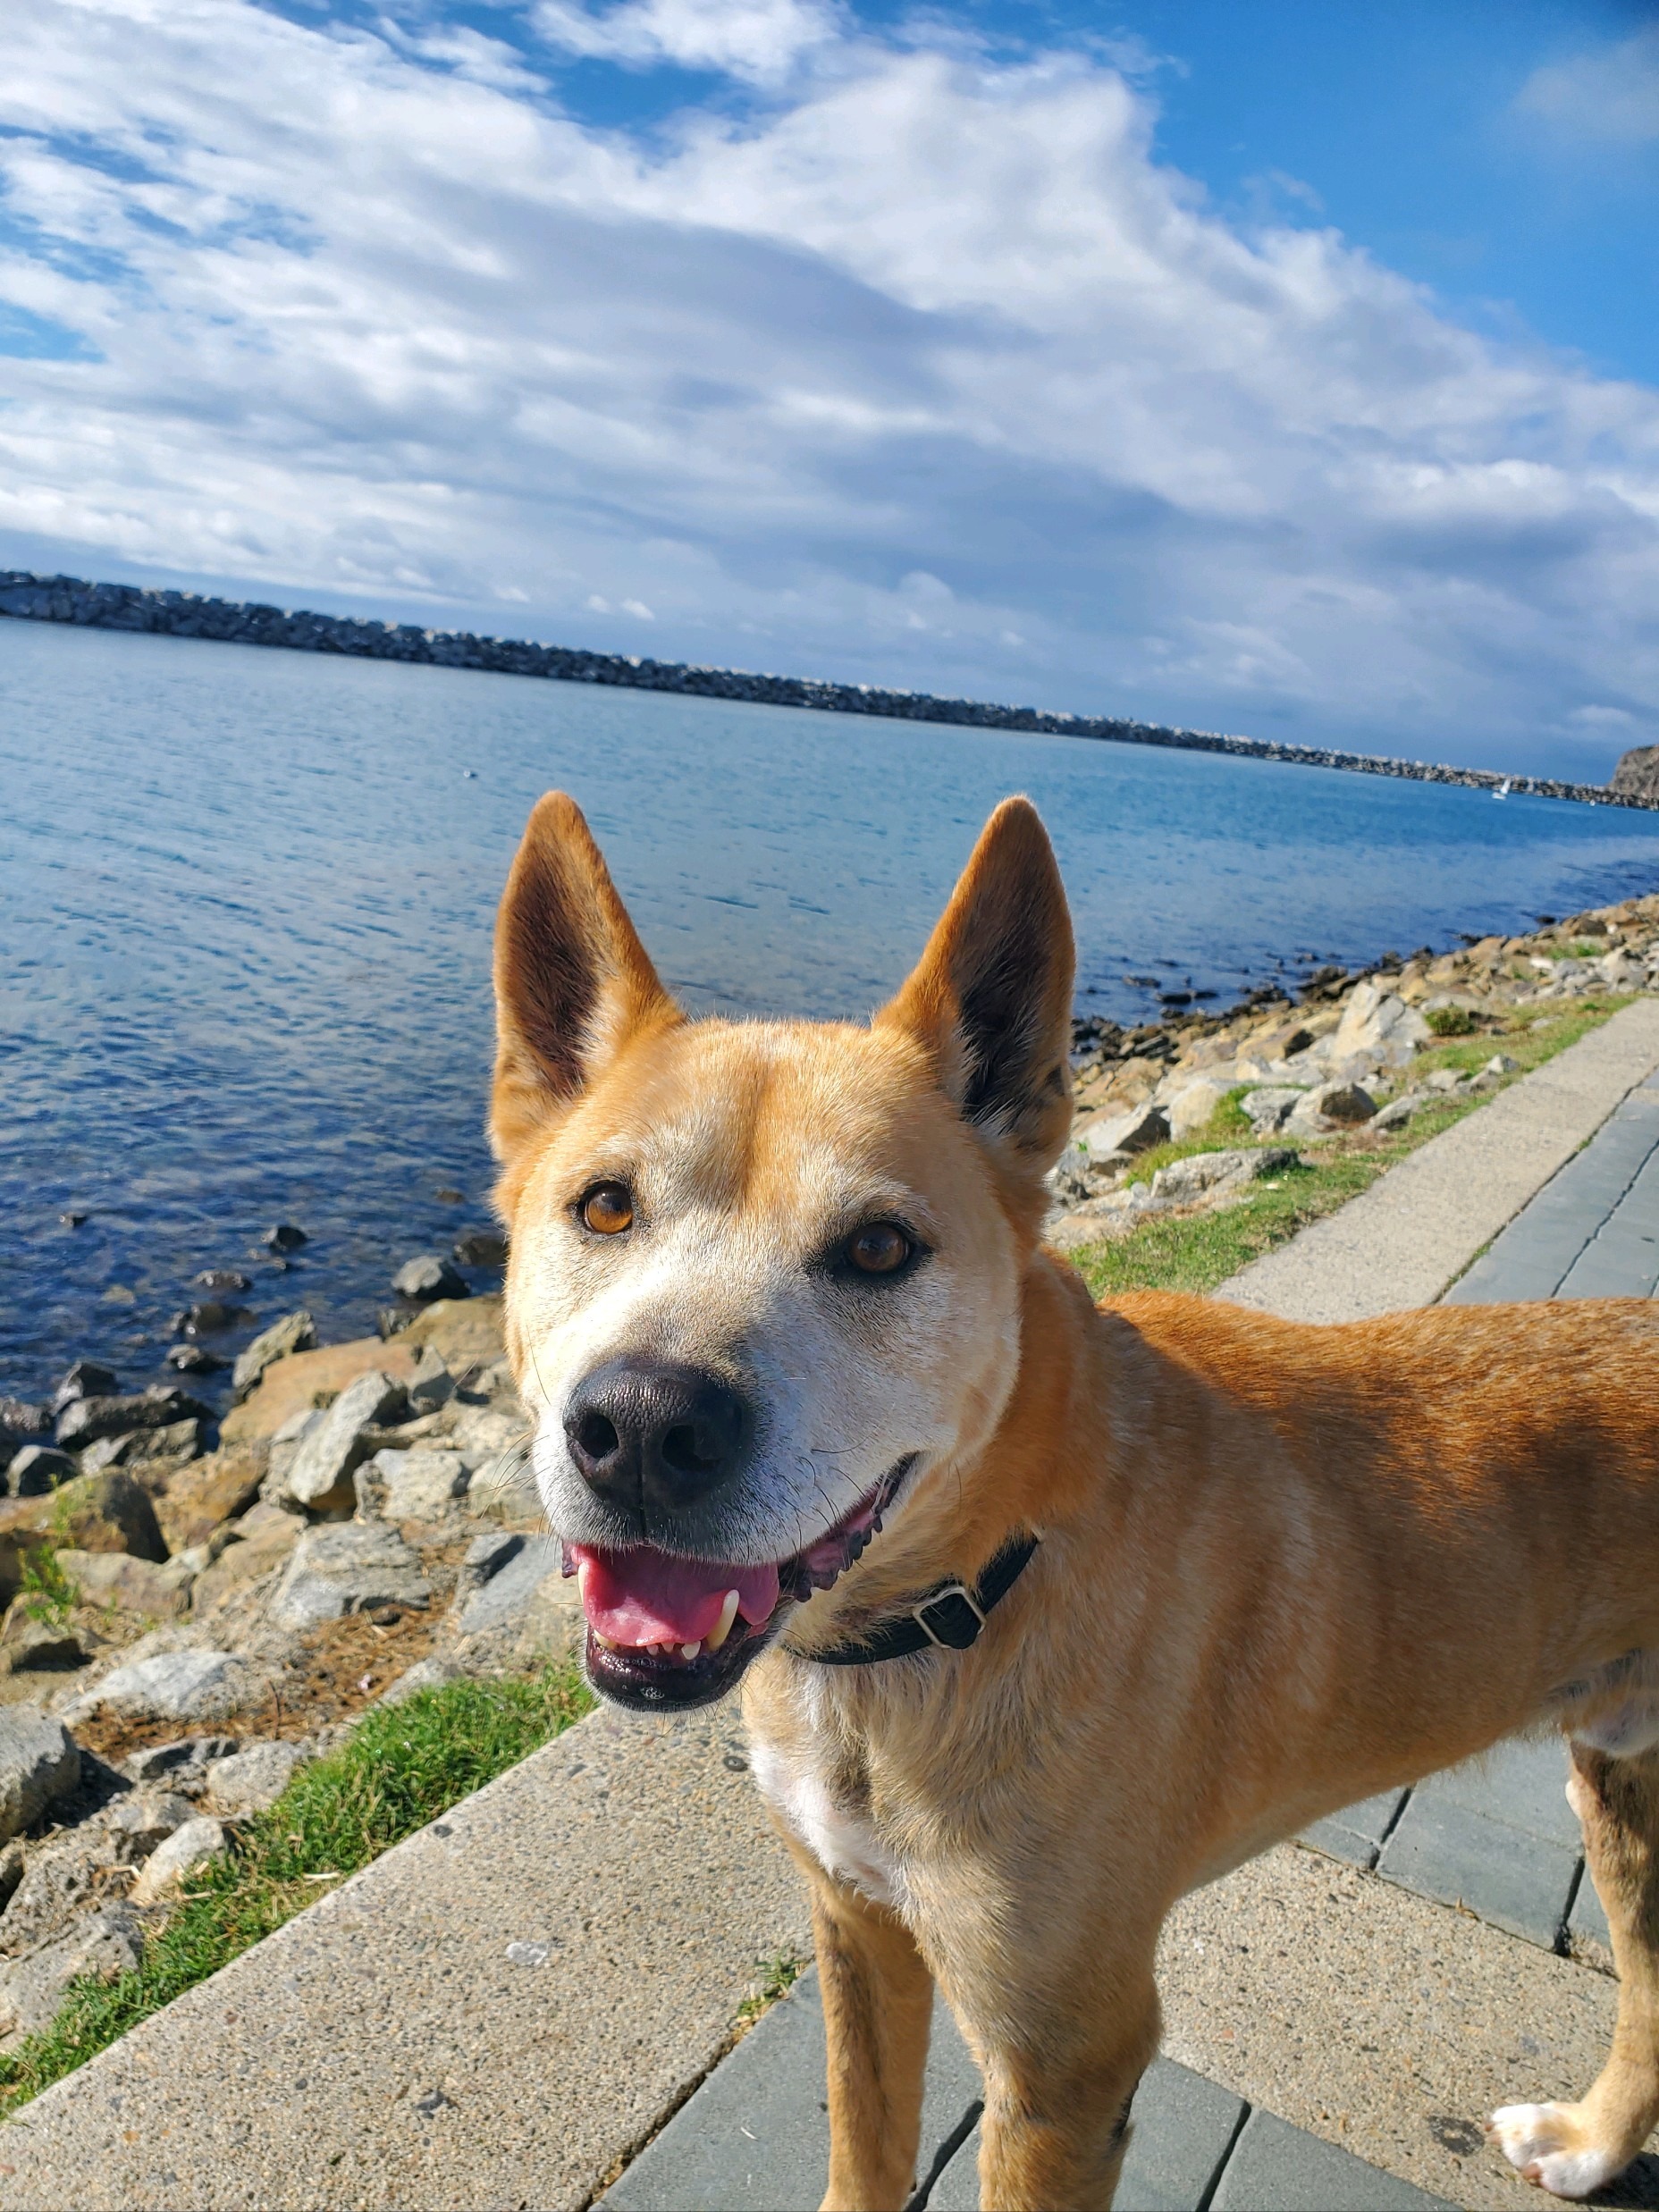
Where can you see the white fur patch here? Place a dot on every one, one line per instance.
(1531, 2137)
(842, 1844)
(1626, 1732)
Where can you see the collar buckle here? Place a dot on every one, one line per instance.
(958, 1616)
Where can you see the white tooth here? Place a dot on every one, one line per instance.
(689, 1651)
(721, 1629)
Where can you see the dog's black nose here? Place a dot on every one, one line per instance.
(653, 1437)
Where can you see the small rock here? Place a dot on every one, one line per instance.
(515, 1587)
(131, 1586)
(1271, 1107)
(191, 1359)
(1206, 1175)
(345, 1568)
(209, 1316)
(428, 1277)
(1445, 1079)
(392, 1321)
(108, 1944)
(40, 1762)
(143, 1819)
(431, 1384)
(252, 1778)
(220, 1281)
(484, 1560)
(83, 1420)
(30, 1646)
(37, 1469)
(200, 1497)
(180, 1440)
(1379, 1023)
(178, 1762)
(1138, 1130)
(425, 1674)
(1500, 1063)
(1192, 1105)
(283, 1238)
(1399, 1111)
(320, 1476)
(85, 1379)
(417, 1486)
(22, 1423)
(481, 1248)
(73, 1220)
(190, 1848)
(294, 1333)
(170, 1686)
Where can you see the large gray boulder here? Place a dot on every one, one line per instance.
(38, 1763)
(345, 1568)
(1379, 1027)
(319, 1475)
(414, 1485)
(171, 1685)
(252, 1778)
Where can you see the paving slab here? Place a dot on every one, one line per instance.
(1183, 2128)
(1518, 1882)
(757, 2132)
(495, 2014)
(1412, 1234)
(1550, 1248)
(1356, 1834)
(1285, 2167)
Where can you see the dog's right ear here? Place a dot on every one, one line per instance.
(573, 983)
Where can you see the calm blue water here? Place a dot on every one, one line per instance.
(245, 899)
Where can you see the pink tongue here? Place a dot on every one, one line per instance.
(652, 1597)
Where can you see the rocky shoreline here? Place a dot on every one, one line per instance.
(72, 600)
(1337, 1059)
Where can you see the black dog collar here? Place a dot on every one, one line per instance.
(950, 1617)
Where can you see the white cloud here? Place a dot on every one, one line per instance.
(760, 41)
(1610, 92)
(926, 372)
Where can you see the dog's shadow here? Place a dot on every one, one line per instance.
(1637, 2189)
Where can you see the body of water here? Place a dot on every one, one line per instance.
(246, 901)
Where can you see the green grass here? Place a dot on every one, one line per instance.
(401, 1767)
(47, 1592)
(1197, 1251)
(778, 1976)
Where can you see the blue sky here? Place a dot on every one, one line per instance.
(1288, 368)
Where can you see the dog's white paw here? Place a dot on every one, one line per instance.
(1543, 2143)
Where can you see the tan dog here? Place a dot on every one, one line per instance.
(798, 1358)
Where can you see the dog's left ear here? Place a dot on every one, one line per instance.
(991, 996)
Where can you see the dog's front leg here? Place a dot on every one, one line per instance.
(1057, 2102)
(878, 2001)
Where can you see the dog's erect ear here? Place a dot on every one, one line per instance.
(573, 983)
(991, 996)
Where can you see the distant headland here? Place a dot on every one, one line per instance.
(186, 614)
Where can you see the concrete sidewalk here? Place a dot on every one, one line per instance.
(502, 2011)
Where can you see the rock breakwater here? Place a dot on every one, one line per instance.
(72, 600)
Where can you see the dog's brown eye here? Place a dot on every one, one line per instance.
(608, 1210)
(879, 1249)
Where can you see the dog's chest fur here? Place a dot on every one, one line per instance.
(821, 1796)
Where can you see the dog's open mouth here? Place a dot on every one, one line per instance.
(665, 1630)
